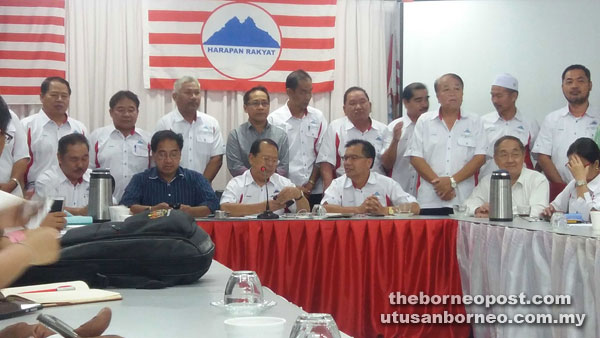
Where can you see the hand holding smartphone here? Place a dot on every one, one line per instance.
(58, 204)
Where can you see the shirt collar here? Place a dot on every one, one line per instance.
(288, 112)
(135, 130)
(45, 119)
(249, 180)
(371, 180)
(153, 174)
(63, 178)
(179, 117)
(251, 127)
(460, 116)
(349, 125)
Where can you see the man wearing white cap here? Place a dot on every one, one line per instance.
(507, 120)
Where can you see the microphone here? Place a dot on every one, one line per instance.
(267, 214)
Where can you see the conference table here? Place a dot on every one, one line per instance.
(180, 311)
(349, 268)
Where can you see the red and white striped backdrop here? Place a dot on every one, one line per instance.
(173, 43)
(32, 47)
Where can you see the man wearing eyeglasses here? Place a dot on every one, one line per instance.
(361, 190)
(247, 194)
(529, 187)
(357, 124)
(257, 105)
(168, 185)
(15, 156)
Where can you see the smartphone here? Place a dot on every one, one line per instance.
(16, 307)
(57, 325)
(57, 204)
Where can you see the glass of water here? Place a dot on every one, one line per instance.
(315, 325)
(558, 220)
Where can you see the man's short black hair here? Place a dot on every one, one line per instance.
(508, 137)
(586, 148)
(4, 115)
(46, 84)
(456, 77)
(162, 135)
(367, 148)
(409, 91)
(255, 147)
(121, 94)
(582, 67)
(295, 77)
(254, 89)
(351, 89)
(71, 140)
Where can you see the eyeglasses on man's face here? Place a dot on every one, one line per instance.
(163, 155)
(259, 103)
(351, 157)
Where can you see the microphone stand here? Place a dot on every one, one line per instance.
(267, 214)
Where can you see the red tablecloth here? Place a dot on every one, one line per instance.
(349, 267)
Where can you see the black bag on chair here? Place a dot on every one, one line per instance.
(150, 250)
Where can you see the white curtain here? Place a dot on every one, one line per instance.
(104, 55)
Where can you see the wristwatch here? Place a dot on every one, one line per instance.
(452, 182)
(580, 183)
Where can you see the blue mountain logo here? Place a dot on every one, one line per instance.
(236, 33)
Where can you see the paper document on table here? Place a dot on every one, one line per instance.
(8, 200)
(58, 294)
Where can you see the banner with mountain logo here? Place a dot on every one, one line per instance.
(235, 45)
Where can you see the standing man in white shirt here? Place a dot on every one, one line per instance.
(45, 128)
(246, 194)
(305, 127)
(446, 150)
(562, 127)
(529, 187)
(357, 124)
(70, 178)
(15, 155)
(360, 190)
(121, 147)
(507, 120)
(415, 98)
(203, 143)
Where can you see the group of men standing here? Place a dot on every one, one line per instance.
(436, 156)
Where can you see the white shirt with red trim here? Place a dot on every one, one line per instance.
(42, 137)
(403, 172)
(54, 183)
(568, 202)
(13, 151)
(304, 137)
(559, 130)
(341, 131)
(244, 190)
(521, 127)
(446, 152)
(343, 193)
(202, 138)
(124, 156)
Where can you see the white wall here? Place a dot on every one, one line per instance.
(533, 40)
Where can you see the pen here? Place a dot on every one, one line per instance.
(60, 288)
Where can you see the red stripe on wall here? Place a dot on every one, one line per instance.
(304, 21)
(296, 43)
(31, 55)
(309, 66)
(294, 2)
(34, 3)
(179, 61)
(10, 72)
(175, 39)
(22, 90)
(178, 16)
(240, 85)
(26, 37)
(32, 20)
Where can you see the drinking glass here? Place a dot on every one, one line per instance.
(243, 288)
(459, 210)
(319, 210)
(315, 325)
(523, 210)
(403, 209)
(558, 220)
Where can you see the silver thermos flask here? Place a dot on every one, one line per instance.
(102, 185)
(500, 196)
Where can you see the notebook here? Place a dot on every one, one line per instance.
(59, 294)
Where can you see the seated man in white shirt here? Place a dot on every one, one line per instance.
(71, 177)
(529, 187)
(246, 194)
(361, 190)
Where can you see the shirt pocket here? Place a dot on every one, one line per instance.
(311, 130)
(204, 141)
(140, 149)
(466, 141)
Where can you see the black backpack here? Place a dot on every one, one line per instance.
(149, 250)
